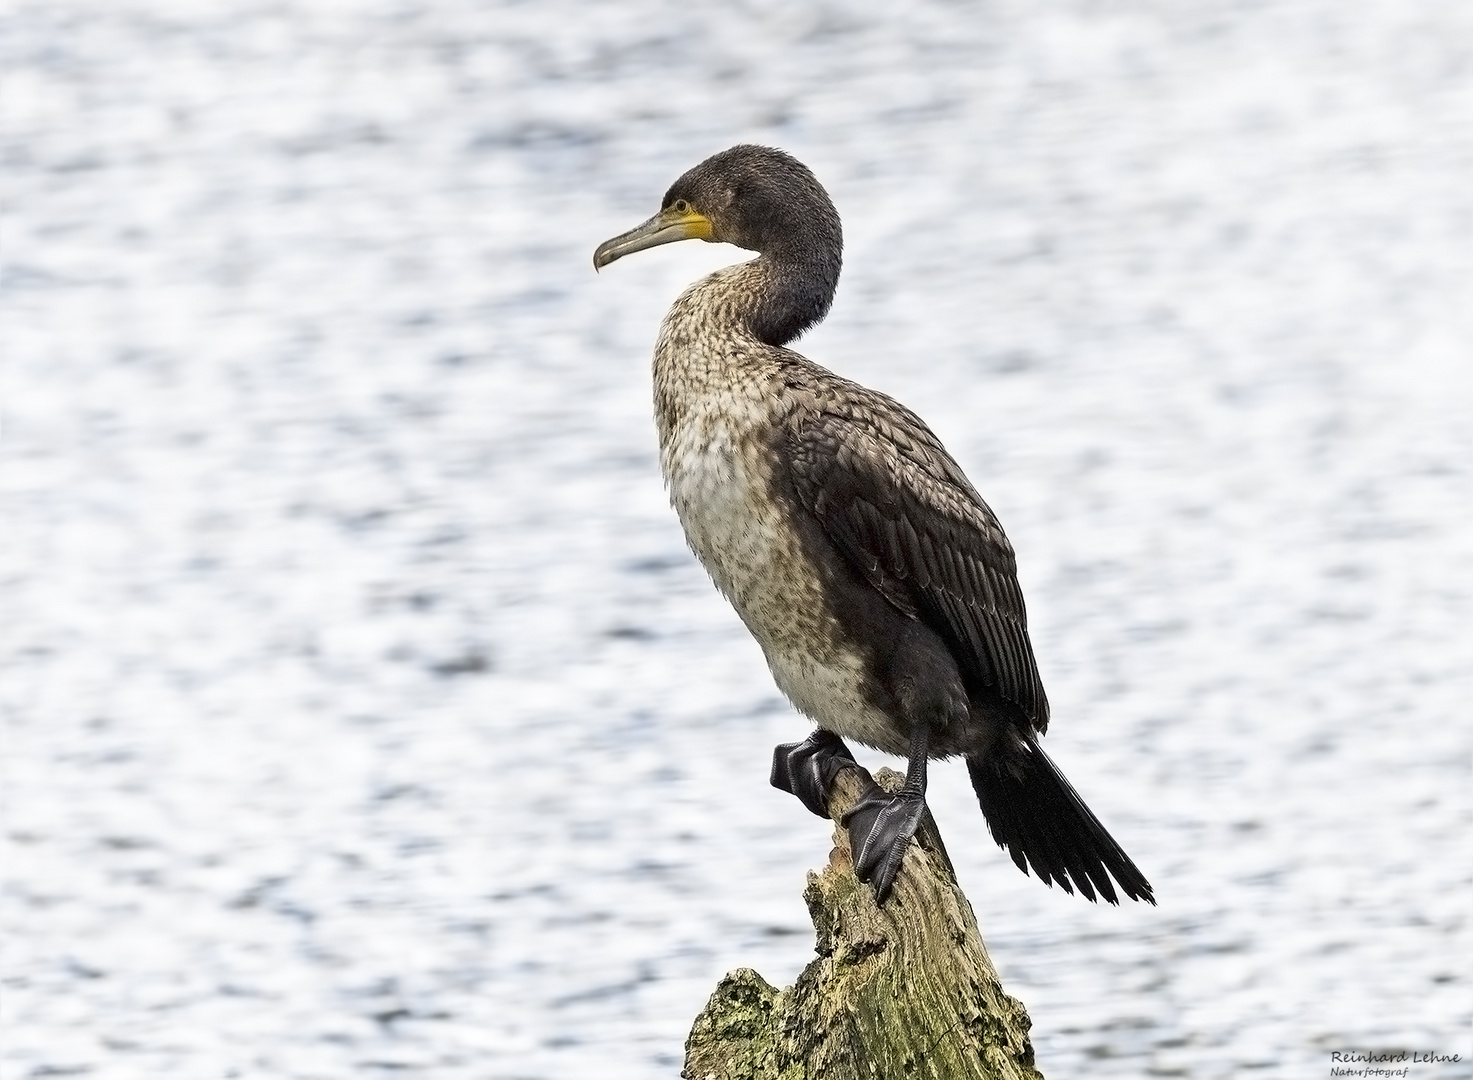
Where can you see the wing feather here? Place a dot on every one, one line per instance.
(900, 509)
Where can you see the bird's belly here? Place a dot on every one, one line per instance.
(835, 692)
(721, 489)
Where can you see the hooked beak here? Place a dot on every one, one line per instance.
(666, 227)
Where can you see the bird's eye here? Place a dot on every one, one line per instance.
(681, 206)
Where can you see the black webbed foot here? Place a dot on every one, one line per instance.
(807, 769)
(880, 828)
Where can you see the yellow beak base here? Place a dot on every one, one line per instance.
(666, 227)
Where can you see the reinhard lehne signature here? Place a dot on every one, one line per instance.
(1373, 1063)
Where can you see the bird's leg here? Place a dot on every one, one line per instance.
(807, 769)
(881, 825)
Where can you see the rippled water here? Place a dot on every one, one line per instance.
(365, 712)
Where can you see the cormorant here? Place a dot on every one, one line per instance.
(878, 583)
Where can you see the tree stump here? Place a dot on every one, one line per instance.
(905, 991)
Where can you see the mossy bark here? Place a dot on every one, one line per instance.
(904, 991)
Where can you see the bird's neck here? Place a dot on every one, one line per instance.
(709, 359)
(787, 293)
(768, 301)
(730, 322)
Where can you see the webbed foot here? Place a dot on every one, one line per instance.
(807, 769)
(880, 829)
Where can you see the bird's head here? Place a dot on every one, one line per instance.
(753, 197)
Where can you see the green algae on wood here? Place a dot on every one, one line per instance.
(904, 992)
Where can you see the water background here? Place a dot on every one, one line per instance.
(365, 713)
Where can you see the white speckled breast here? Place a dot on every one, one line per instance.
(718, 395)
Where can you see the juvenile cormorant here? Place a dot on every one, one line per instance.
(878, 583)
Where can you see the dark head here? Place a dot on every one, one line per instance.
(765, 201)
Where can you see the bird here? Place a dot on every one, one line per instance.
(880, 586)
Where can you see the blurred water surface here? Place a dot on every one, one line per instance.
(365, 712)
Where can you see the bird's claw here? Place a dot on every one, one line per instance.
(880, 825)
(880, 829)
(807, 769)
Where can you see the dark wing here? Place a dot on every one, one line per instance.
(900, 509)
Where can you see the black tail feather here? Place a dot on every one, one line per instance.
(1038, 817)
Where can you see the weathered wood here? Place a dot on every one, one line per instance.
(906, 991)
